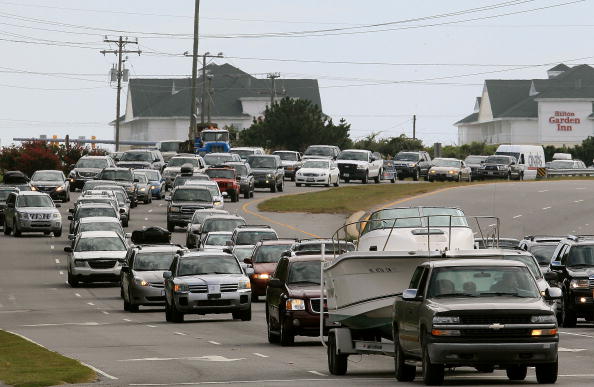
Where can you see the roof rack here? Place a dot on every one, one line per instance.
(577, 238)
(254, 226)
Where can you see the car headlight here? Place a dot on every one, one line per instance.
(141, 282)
(543, 319)
(261, 276)
(130, 189)
(502, 167)
(56, 215)
(153, 187)
(180, 288)
(80, 263)
(483, 166)
(218, 203)
(244, 285)
(174, 209)
(289, 168)
(452, 172)
(295, 304)
(433, 171)
(411, 164)
(60, 188)
(269, 175)
(579, 284)
(23, 215)
(143, 189)
(446, 320)
(33, 188)
(360, 166)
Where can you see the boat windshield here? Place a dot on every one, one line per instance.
(416, 217)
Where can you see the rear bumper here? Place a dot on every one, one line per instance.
(179, 219)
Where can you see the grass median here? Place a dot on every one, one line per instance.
(346, 200)
(25, 364)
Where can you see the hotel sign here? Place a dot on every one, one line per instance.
(564, 121)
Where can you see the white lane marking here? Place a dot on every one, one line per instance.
(587, 224)
(259, 354)
(1, 306)
(104, 312)
(546, 208)
(160, 204)
(77, 295)
(127, 320)
(577, 334)
(57, 261)
(84, 324)
(317, 373)
(51, 247)
(543, 190)
(90, 303)
(517, 216)
(578, 201)
(108, 376)
(61, 272)
(150, 210)
(201, 358)
(215, 342)
(179, 333)
(276, 381)
(491, 225)
(11, 298)
(561, 349)
(580, 187)
(145, 219)
(151, 326)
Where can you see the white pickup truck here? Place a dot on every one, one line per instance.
(359, 164)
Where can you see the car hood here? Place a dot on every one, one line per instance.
(172, 169)
(223, 180)
(99, 254)
(88, 170)
(488, 305)
(196, 205)
(444, 169)
(125, 164)
(289, 163)
(356, 162)
(150, 276)
(312, 170)
(40, 183)
(38, 210)
(122, 183)
(495, 165)
(304, 291)
(262, 170)
(474, 165)
(580, 272)
(211, 279)
(264, 267)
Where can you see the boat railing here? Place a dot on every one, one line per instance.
(352, 232)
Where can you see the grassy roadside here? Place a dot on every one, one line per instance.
(25, 364)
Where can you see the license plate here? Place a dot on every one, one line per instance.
(310, 179)
(490, 173)
(214, 289)
(214, 296)
(345, 174)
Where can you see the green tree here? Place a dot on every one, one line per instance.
(295, 124)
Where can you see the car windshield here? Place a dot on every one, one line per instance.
(34, 201)
(5, 192)
(286, 156)
(446, 163)
(211, 225)
(253, 237)
(241, 170)
(581, 256)
(48, 176)
(137, 156)
(262, 162)
(407, 157)
(121, 175)
(350, 155)
(86, 212)
(474, 159)
(270, 253)
(141, 177)
(320, 164)
(242, 253)
(221, 173)
(152, 175)
(217, 239)
(172, 146)
(153, 261)
(181, 180)
(215, 136)
(122, 197)
(497, 160)
(91, 163)
(304, 272)
(482, 282)
(100, 244)
(208, 265)
(191, 195)
(243, 153)
(179, 161)
(101, 226)
(543, 253)
(416, 217)
(561, 164)
(211, 159)
(318, 151)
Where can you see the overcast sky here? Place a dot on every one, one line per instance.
(450, 56)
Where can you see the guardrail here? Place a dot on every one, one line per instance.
(570, 172)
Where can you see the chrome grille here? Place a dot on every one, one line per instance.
(314, 304)
(228, 288)
(159, 285)
(198, 288)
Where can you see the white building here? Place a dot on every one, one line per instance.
(554, 111)
(159, 109)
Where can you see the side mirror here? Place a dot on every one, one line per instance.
(225, 194)
(71, 210)
(248, 261)
(58, 205)
(551, 276)
(286, 254)
(410, 295)
(557, 266)
(276, 283)
(227, 250)
(70, 217)
(125, 269)
(122, 210)
(167, 274)
(553, 293)
(128, 235)
(249, 271)
(238, 178)
(68, 249)
(70, 237)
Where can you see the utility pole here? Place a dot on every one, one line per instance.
(414, 126)
(194, 92)
(192, 129)
(209, 77)
(121, 43)
(272, 77)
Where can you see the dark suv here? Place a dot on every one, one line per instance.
(87, 168)
(572, 267)
(184, 200)
(542, 247)
(142, 159)
(124, 177)
(500, 167)
(268, 172)
(412, 164)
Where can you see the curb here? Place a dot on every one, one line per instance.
(353, 229)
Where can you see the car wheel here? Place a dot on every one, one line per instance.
(7, 229)
(417, 175)
(252, 192)
(243, 315)
(281, 187)
(402, 371)
(126, 305)
(470, 178)
(516, 373)
(170, 227)
(167, 312)
(292, 178)
(400, 177)
(287, 335)
(377, 178)
(569, 317)
(72, 280)
(337, 363)
(146, 200)
(328, 183)
(392, 180)
(72, 188)
(176, 315)
(273, 188)
(547, 373)
(459, 178)
(432, 373)
(365, 179)
(125, 223)
(246, 194)
(58, 234)
(298, 184)
(337, 183)
(15, 231)
(272, 337)
(67, 198)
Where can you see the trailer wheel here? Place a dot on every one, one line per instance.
(337, 364)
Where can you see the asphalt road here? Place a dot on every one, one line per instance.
(141, 349)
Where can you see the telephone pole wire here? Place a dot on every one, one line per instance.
(192, 129)
(272, 77)
(121, 43)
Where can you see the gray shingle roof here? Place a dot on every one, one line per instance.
(171, 97)
(468, 119)
(560, 67)
(503, 94)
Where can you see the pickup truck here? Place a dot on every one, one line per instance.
(480, 313)
(357, 164)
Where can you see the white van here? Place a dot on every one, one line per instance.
(529, 157)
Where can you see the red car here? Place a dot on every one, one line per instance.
(264, 258)
(226, 178)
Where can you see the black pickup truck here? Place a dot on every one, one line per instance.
(480, 313)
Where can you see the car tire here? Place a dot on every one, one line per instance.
(365, 179)
(58, 234)
(337, 184)
(146, 200)
(417, 175)
(337, 363)
(547, 373)
(569, 317)
(67, 197)
(470, 178)
(125, 223)
(297, 184)
(243, 315)
(170, 227)
(273, 188)
(292, 178)
(402, 371)
(272, 337)
(281, 187)
(246, 195)
(252, 192)
(126, 305)
(377, 178)
(15, 231)
(327, 184)
(72, 188)
(392, 180)
(7, 229)
(400, 177)
(287, 334)
(167, 312)
(176, 315)
(432, 373)
(516, 373)
(72, 280)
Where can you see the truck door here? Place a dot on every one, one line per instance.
(409, 327)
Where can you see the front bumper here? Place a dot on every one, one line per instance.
(54, 193)
(202, 303)
(442, 176)
(27, 225)
(311, 179)
(304, 323)
(492, 174)
(147, 295)
(142, 195)
(179, 218)
(404, 171)
(581, 302)
(489, 353)
(88, 273)
(264, 182)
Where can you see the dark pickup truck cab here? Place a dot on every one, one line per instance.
(480, 313)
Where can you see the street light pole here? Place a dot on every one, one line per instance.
(192, 128)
